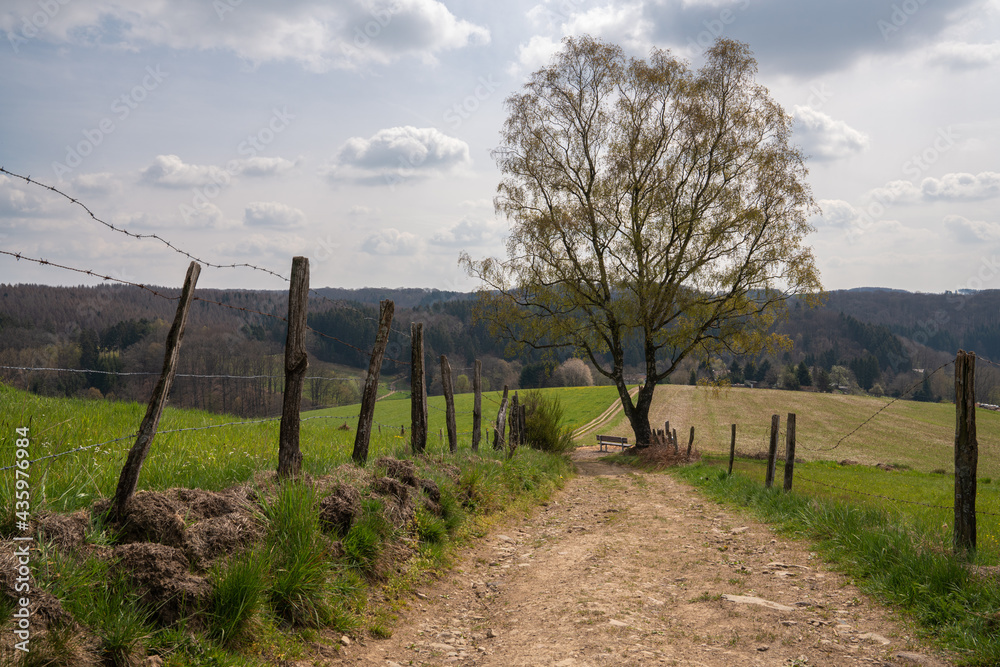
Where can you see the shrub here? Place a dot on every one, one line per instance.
(544, 429)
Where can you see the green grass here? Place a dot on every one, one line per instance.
(890, 556)
(215, 458)
(265, 604)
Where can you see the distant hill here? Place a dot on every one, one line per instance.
(878, 335)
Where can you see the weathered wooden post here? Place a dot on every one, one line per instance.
(296, 364)
(690, 442)
(772, 451)
(370, 393)
(501, 424)
(449, 404)
(789, 450)
(477, 405)
(674, 438)
(129, 478)
(515, 424)
(966, 452)
(418, 390)
(732, 449)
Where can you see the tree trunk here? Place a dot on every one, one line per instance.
(638, 413)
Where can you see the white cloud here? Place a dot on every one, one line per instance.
(470, 232)
(966, 56)
(318, 35)
(281, 245)
(103, 183)
(18, 202)
(273, 214)
(824, 138)
(398, 153)
(621, 23)
(896, 192)
(534, 54)
(170, 171)
(972, 231)
(960, 186)
(837, 213)
(359, 211)
(391, 241)
(264, 166)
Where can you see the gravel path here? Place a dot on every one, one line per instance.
(629, 568)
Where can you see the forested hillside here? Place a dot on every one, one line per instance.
(859, 340)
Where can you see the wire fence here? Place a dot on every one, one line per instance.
(18, 256)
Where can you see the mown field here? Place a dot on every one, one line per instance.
(915, 438)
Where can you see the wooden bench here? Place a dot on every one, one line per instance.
(604, 441)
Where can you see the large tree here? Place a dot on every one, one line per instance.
(652, 208)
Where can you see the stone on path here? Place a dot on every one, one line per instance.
(750, 599)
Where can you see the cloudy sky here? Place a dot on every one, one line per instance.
(358, 132)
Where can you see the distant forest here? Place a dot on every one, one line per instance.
(882, 342)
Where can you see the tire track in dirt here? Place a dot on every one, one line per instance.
(630, 568)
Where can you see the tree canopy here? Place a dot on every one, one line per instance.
(649, 204)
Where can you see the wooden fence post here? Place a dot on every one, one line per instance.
(515, 426)
(449, 404)
(690, 442)
(129, 478)
(772, 451)
(418, 390)
(732, 449)
(674, 438)
(966, 452)
(296, 363)
(501, 424)
(370, 393)
(789, 450)
(477, 405)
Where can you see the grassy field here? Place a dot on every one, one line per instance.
(917, 435)
(214, 458)
(580, 405)
(916, 438)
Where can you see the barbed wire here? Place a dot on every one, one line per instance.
(799, 476)
(176, 375)
(19, 256)
(156, 237)
(121, 230)
(44, 262)
(880, 410)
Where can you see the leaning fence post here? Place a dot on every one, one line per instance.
(690, 442)
(418, 390)
(966, 452)
(732, 449)
(772, 451)
(296, 363)
(129, 478)
(789, 450)
(501, 423)
(449, 404)
(515, 426)
(477, 405)
(370, 394)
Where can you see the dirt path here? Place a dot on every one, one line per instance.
(603, 418)
(626, 568)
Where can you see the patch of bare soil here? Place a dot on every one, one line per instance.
(630, 568)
